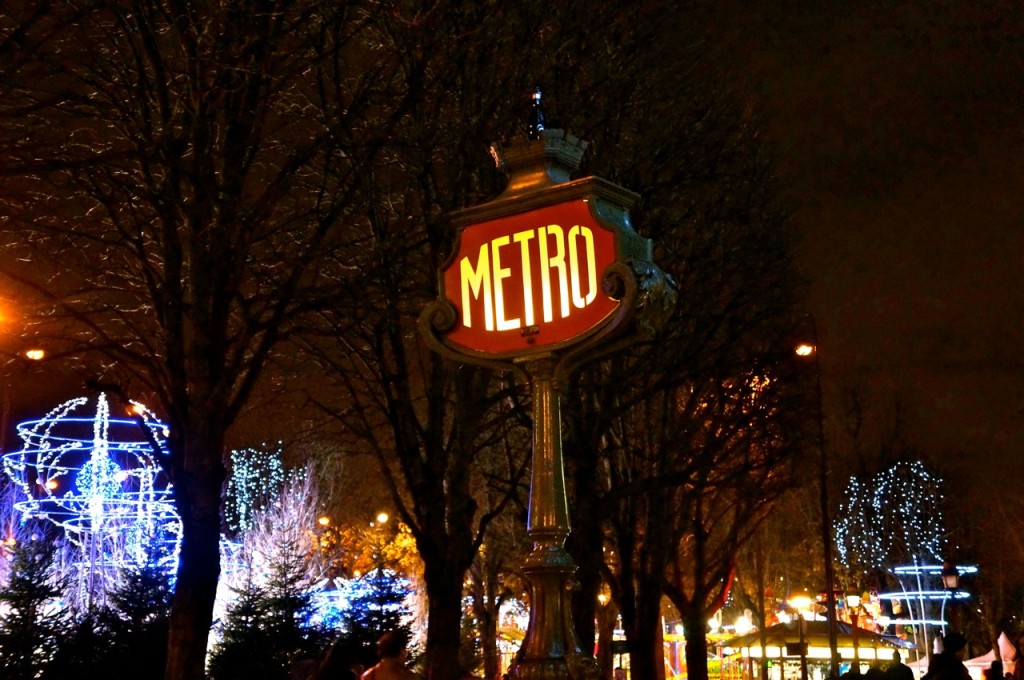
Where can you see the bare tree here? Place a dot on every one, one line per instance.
(200, 177)
(694, 431)
(188, 168)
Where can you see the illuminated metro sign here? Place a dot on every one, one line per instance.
(530, 280)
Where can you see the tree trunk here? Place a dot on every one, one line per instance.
(646, 650)
(444, 617)
(606, 617)
(695, 624)
(197, 493)
(586, 545)
(486, 608)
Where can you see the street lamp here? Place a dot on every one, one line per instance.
(950, 581)
(950, 576)
(807, 350)
(801, 604)
(853, 601)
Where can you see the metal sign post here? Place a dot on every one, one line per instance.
(546, 276)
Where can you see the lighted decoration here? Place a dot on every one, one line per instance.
(257, 477)
(922, 600)
(99, 479)
(921, 585)
(893, 518)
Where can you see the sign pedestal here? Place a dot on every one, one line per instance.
(549, 650)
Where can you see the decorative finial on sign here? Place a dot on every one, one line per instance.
(535, 124)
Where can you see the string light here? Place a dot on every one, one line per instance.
(257, 477)
(893, 518)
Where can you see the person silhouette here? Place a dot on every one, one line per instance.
(949, 663)
(898, 670)
(391, 649)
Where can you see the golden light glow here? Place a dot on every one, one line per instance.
(35, 354)
(51, 484)
(804, 349)
(382, 517)
(800, 602)
(324, 521)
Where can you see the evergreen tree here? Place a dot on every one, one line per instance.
(138, 618)
(245, 649)
(269, 627)
(86, 649)
(127, 637)
(289, 607)
(377, 604)
(32, 624)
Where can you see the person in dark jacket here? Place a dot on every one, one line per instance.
(949, 663)
(898, 670)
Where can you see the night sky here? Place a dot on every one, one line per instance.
(900, 135)
(899, 130)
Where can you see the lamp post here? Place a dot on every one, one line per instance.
(855, 611)
(811, 350)
(950, 581)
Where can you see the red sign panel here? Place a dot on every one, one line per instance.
(530, 280)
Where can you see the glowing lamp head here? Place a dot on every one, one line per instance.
(950, 576)
(804, 350)
(324, 521)
(382, 517)
(35, 354)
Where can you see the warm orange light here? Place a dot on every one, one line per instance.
(324, 521)
(51, 484)
(35, 354)
(382, 517)
(804, 350)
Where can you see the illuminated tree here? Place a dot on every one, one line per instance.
(894, 518)
(254, 482)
